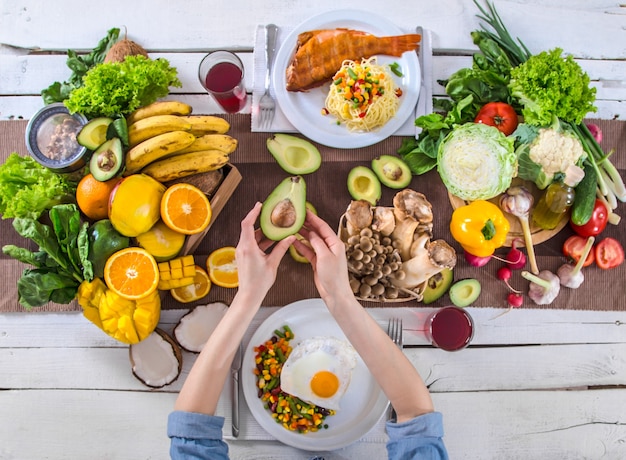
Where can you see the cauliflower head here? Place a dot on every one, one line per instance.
(550, 153)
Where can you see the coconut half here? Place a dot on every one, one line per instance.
(157, 360)
(195, 328)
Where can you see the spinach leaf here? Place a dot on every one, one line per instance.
(38, 287)
(79, 65)
(61, 263)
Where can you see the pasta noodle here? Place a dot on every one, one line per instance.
(362, 95)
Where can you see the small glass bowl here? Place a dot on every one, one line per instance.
(51, 138)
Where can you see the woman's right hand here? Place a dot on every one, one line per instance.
(327, 255)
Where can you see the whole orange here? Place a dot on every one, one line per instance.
(92, 196)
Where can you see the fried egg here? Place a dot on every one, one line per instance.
(318, 371)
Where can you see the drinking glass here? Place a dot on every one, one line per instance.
(221, 74)
(450, 328)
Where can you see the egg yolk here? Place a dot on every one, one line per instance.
(324, 384)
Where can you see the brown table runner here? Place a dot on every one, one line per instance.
(327, 191)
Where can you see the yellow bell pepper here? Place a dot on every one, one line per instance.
(129, 321)
(480, 227)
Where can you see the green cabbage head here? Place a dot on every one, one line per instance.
(476, 161)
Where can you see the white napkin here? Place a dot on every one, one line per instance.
(280, 123)
(249, 428)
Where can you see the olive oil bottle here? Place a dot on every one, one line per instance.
(557, 199)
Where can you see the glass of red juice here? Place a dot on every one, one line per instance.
(450, 328)
(221, 74)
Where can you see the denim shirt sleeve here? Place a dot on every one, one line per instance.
(418, 438)
(196, 436)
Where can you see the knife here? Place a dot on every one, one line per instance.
(235, 372)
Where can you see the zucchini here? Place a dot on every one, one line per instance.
(585, 197)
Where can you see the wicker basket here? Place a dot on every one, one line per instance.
(404, 296)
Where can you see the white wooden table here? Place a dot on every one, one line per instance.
(535, 384)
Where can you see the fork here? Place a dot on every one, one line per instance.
(394, 331)
(267, 106)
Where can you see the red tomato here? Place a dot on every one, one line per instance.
(574, 247)
(498, 114)
(597, 223)
(609, 253)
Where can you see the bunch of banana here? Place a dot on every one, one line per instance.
(167, 142)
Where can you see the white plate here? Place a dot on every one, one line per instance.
(303, 109)
(362, 405)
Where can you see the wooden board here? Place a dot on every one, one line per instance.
(539, 235)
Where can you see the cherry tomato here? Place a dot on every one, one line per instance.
(498, 114)
(609, 253)
(574, 247)
(597, 223)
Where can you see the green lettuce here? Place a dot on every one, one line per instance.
(118, 88)
(476, 161)
(27, 189)
(550, 86)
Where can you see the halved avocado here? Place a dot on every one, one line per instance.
(94, 133)
(118, 129)
(464, 292)
(392, 171)
(293, 154)
(292, 249)
(284, 210)
(437, 285)
(363, 184)
(107, 160)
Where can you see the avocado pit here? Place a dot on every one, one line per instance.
(284, 214)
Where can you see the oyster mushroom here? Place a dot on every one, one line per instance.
(384, 220)
(427, 259)
(414, 216)
(359, 215)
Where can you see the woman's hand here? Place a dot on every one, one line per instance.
(257, 270)
(327, 255)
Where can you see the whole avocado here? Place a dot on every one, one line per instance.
(104, 240)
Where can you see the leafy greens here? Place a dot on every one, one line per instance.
(549, 86)
(60, 264)
(27, 189)
(118, 88)
(79, 65)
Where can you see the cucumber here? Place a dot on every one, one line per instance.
(585, 197)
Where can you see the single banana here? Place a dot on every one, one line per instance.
(159, 108)
(223, 142)
(153, 126)
(155, 148)
(207, 124)
(186, 164)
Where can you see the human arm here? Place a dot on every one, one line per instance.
(392, 370)
(257, 273)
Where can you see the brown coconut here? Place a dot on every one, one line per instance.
(157, 360)
(123, 48)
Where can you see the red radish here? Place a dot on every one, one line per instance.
(476, 261)
(515, 258)
(504, 274)
(595, 131)
(515, 300)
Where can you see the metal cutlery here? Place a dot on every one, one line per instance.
(394, 331)
(267, 106)
(235, 371)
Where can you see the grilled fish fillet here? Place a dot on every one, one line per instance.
(320, 53)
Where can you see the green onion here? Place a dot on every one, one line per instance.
(395, 68)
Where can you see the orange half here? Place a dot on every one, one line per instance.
(132, 273)
(186, 209)
(222, 267)
(198, 289)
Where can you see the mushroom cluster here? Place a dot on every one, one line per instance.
(389, 249)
